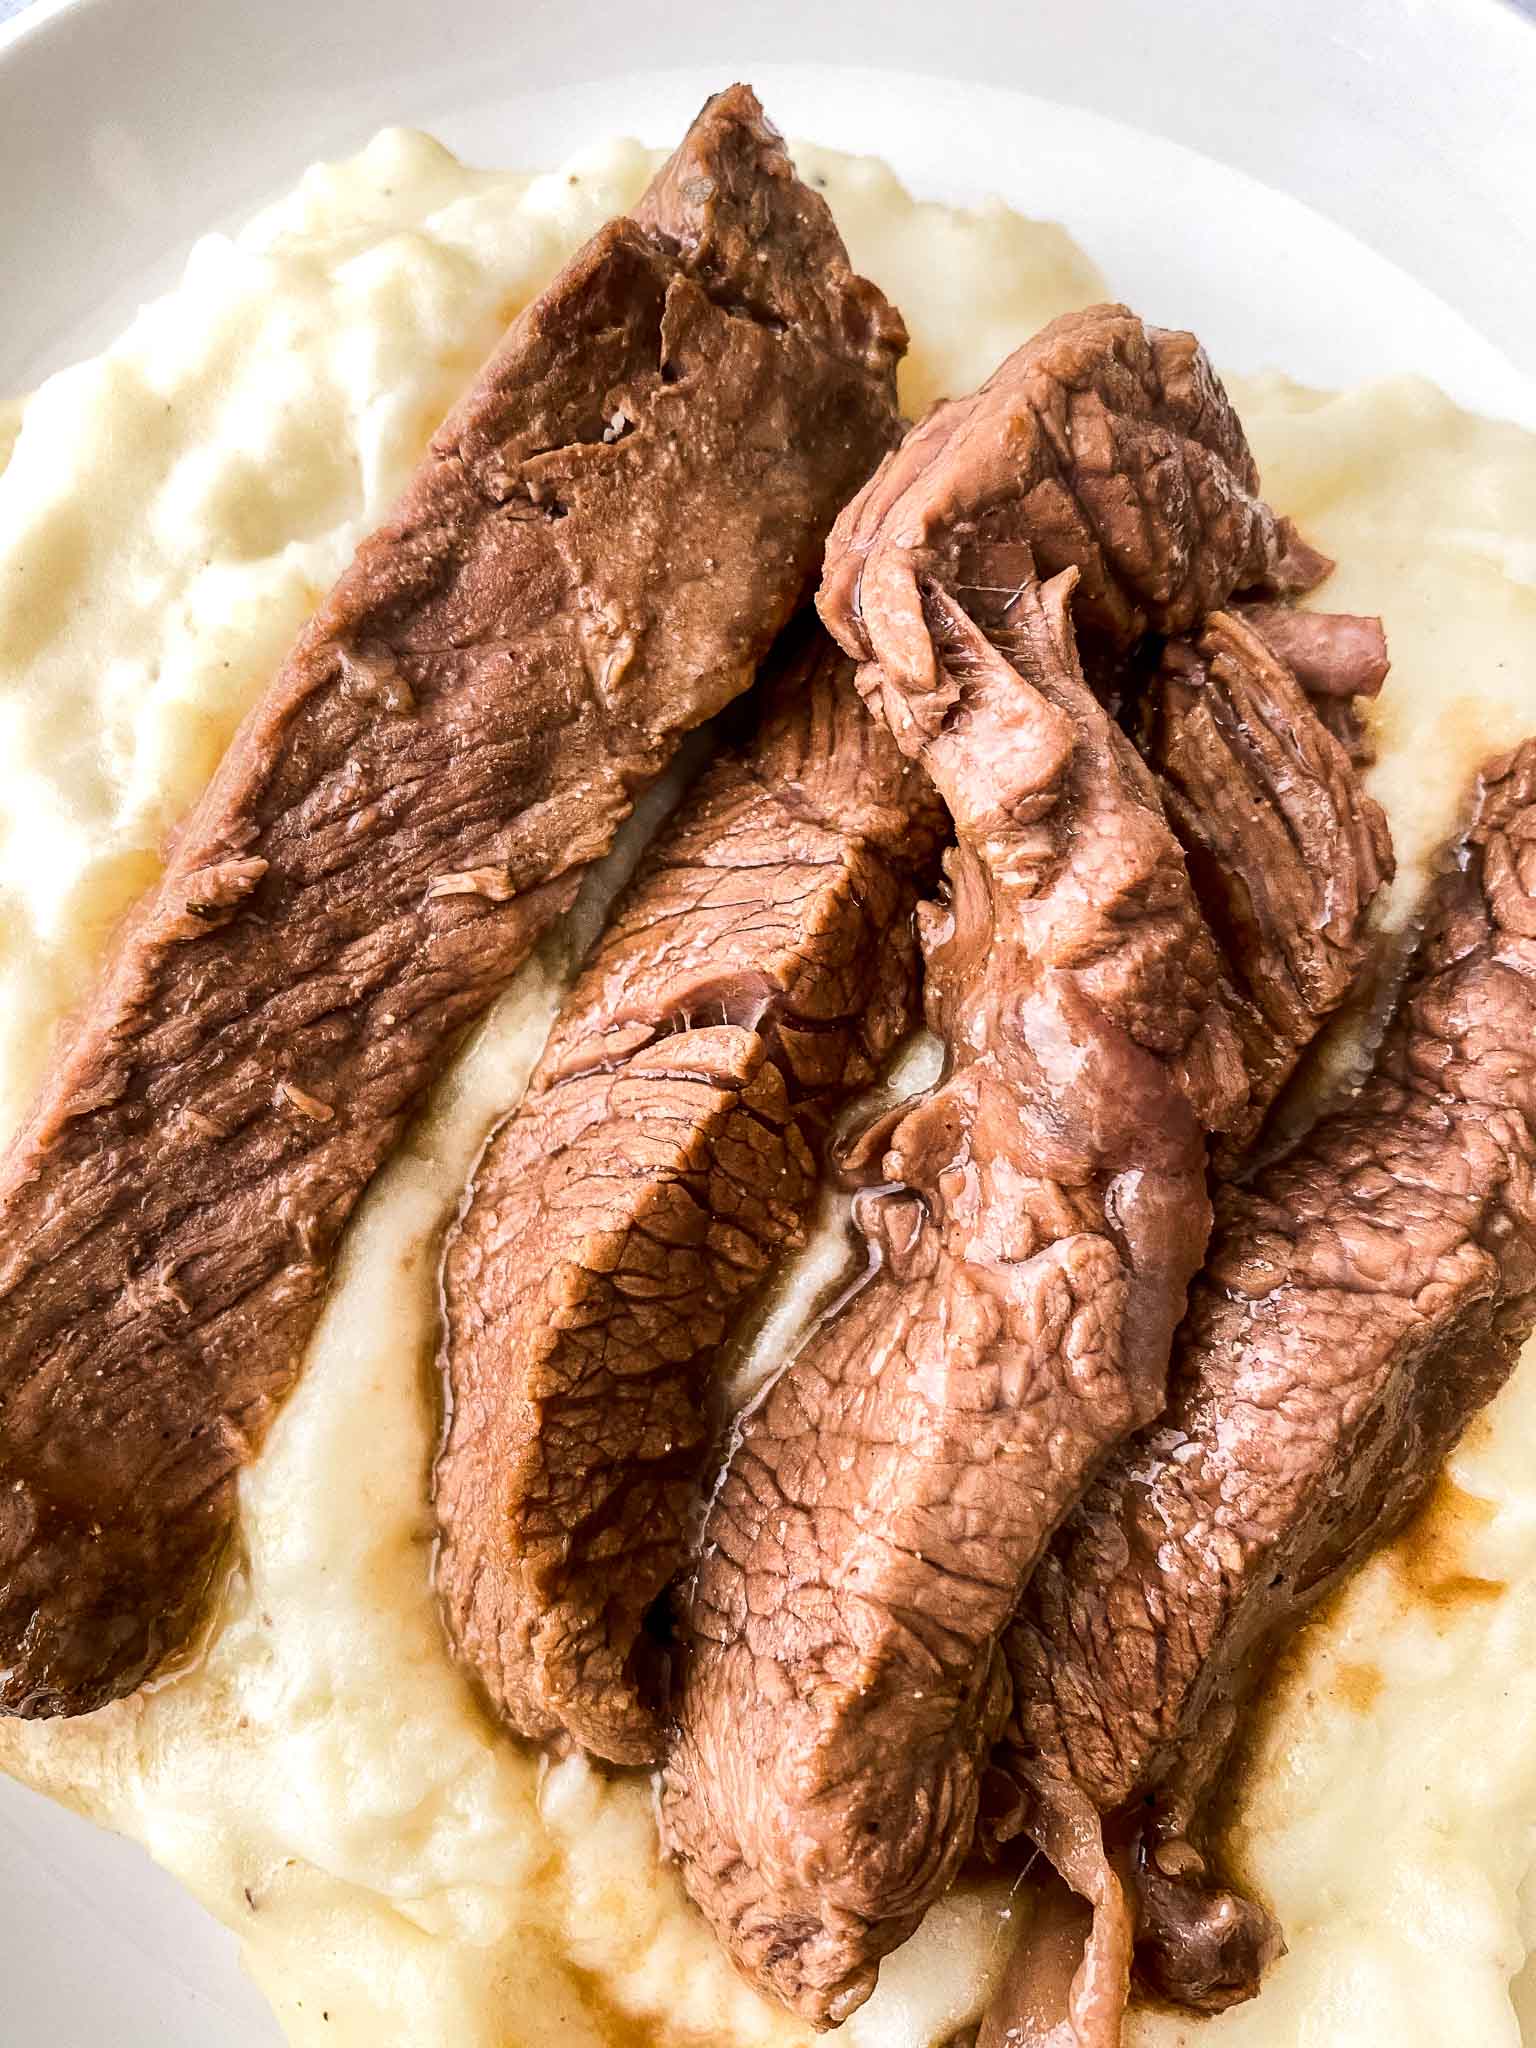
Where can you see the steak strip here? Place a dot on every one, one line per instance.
(594, 556)
(1363, 1299)
(1103, 446)
(1040, 1215)
(759, 970)
(1037, 1220)
(1286, 853)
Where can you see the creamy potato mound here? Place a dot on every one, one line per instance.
(321, 1776)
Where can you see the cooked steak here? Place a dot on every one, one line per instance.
(760, 968)
(1110, 447)
(1037, 1218)
(1336, 658)
(1286, 852)
(1032, 1228)
(1331, 654)
(1101, 445)
(594, 557)
(1362, 1300)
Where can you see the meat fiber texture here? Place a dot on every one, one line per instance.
(669, 1153)
(1362, 1300)
(1109, 447)
(1102, 445)
(1038, 1218)
(1248, 728)
(198, 484)
(1034, 1226)
(594, 557)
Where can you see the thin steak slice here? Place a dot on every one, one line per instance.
(1286, 852)
(595, 555)
(1034, 1225)
(1102, 445)
(1047, 1205)
(760, 968)
(1362, 1300)
(1110, 447)
(1336, 657)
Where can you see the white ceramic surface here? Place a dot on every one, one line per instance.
(1337, 189)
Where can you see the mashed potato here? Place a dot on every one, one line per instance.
(321, 1776)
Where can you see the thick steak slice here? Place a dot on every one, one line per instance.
(1362, 1300)
(1034, 1224)
(594, 557)
(759, 969)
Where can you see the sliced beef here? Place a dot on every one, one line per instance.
(1110, 447)
(1333, 655)
(1362, 1300)
(1037, 1218)
(1286, 852)
(760, 968)
(1032, 1228)
(1102, 445)
(594, 557)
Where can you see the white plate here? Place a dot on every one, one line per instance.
(1337, 189)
